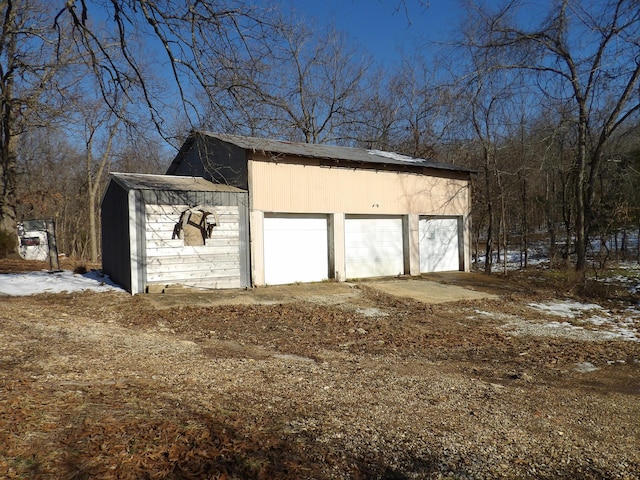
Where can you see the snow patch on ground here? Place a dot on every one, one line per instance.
(566, 308)
(609, 326)
(518, 326)
(32, 283)
(586, 367)
(586, 322)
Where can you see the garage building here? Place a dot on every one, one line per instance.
(319, 212)
(160, 230)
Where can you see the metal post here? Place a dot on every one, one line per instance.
(53, 248)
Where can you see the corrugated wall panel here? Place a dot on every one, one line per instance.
(137, 227)
(285, 187)
(191, 199)
(115, 235)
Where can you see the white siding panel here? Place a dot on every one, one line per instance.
(295, 249)
(213, 265)
(184, 263)
(203, 283)
(222, 241)
(151, 209)
(197, 251)
(159, 233)
(373, 246)
(439, 245)
(193, 275)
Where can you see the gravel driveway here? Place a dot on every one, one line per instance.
(332, 381)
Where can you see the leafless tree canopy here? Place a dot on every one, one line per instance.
(581, 62)
(543, 99)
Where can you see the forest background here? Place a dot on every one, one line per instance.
(542, 98)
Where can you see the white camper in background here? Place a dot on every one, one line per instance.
(37, 241)
(33, 242)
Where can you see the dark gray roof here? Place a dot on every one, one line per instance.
(139, 181)
(358, 155)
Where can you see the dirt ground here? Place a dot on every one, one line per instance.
(316, 381)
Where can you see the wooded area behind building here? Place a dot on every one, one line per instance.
(543, 102)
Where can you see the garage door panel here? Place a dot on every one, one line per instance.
(373, 247)
(439, 245)
(295, 249)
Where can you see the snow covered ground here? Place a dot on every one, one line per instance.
(592, 317)
(538, 253)
(30, 283)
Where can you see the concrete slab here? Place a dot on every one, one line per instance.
(323, 292)
(467, 286)
(428, 292)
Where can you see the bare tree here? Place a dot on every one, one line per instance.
(489, 102)
(32, 66)
(96, 123)
(481, 121)
(377, 126)
(307, 89)
(411, 111)
(424, 107)
(51, 185)
(585, 54)
(199, 45)
(556, 132)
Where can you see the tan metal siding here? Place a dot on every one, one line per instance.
(295, 188)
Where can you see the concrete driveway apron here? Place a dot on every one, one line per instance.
(428, 292)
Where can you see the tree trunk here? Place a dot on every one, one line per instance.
(489, 244)
(8, 175)
(93, 235)
(525, 223)
(8, 154)
(550, 199)
(580, 192)
(504, 231)
(93, 181)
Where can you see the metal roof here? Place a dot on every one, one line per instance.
(311, 150)
(139, 181)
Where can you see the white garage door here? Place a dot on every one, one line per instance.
(439, 245)
(373, 246)
(295, 249)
